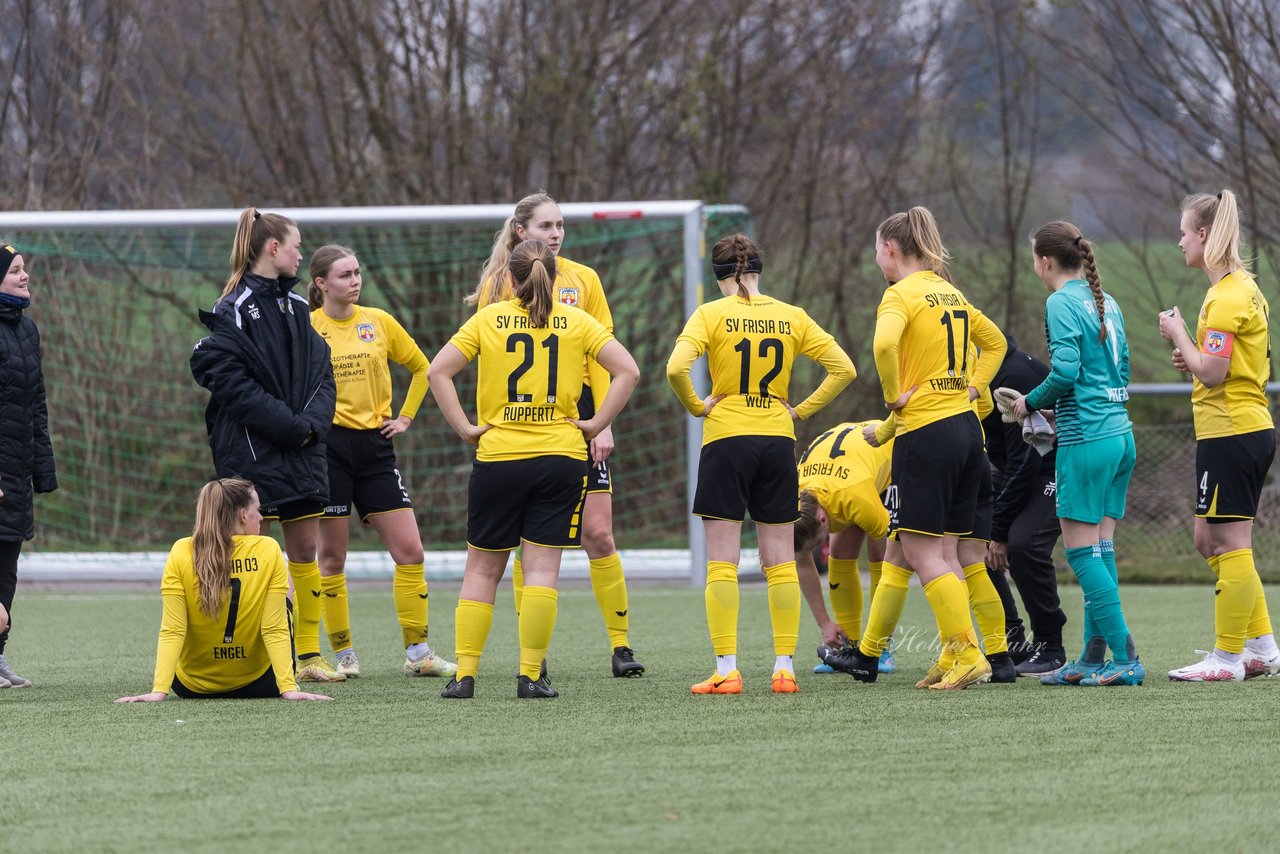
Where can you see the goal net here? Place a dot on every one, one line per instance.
(116, 296)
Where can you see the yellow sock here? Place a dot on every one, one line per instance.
(784, 606)
(988, 610)
(306, 586)
(471, 623)
(845, 588)
(337, 611)
(877, 567)
(721, 597)
(1235, 598)
(950, 603)
(537, 622)
(886, 608)
(611, 595)
(517, 581)
(409, 592)
(1259, 619)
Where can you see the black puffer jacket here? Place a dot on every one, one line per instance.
(26, 453)
(271, 385)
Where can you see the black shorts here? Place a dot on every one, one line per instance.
(937, 472)
(599, 478)
(538, 500)
(293, 511)
(986, 505)
(261, 688)
(1230, 472)
(362, 471)
(748, 474)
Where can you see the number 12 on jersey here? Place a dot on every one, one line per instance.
(767, 346)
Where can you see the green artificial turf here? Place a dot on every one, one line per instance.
(623, 765)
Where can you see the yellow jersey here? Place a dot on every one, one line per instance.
(1233, 325)
(847, 475)
(359, 348)
(249, 634)
(751, 345)
(579, 286)
(528, 381)
(925, 329)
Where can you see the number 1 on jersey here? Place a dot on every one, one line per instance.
(229, 633)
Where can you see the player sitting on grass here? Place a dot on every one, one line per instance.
(225, 629)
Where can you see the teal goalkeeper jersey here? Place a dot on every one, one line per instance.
(1088, 382)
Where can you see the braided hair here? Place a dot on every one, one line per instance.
(1064, 243)
(739, 250)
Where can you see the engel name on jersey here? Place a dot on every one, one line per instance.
(751, 346)
(839, 466)
(936, 354)
(529, 379)
(1233, 324)
(359, 349)
(229, 650)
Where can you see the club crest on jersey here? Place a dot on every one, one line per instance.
(569, 296)
(1215, 341)
(365, 331)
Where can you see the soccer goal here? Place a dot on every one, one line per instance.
(116, 295)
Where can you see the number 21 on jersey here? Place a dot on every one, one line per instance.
(522, 344)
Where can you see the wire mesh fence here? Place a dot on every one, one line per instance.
(1154, 541)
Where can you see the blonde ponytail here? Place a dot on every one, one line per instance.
(533, 267)
(916, 233)
(492, 278)
(253, 230)
(1220, 216)
(217, 519)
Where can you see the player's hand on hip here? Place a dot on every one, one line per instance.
(709, 403)
(902, 399)
(601, 446)
(395, 426)
(472, 432)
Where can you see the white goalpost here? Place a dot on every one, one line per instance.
(667, 564)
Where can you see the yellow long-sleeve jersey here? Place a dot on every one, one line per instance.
(924, 331)
(751, 346)
(249, 633)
